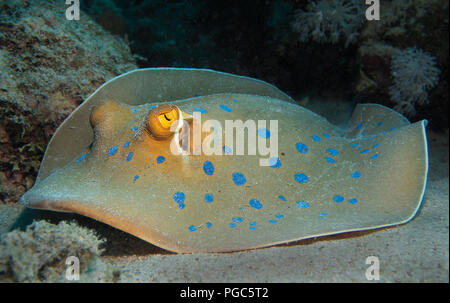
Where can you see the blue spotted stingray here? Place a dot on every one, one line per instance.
(111, 160)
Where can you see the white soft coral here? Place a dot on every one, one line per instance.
(328, 21)
(414, 72)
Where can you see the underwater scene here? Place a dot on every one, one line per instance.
(224, 141)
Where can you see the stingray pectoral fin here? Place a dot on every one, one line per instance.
(70, 199)
(396, 168)
(375, 189)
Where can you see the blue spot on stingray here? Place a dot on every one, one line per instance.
(355, 174)
(338, 199)
(376, 145)
(195, 95)
(225, 108)
(332, 152)
(151, 106)
(274, 162)
(227, 150)
(273, 221)
(126, 144)
(160, 159)
(365, 151)
(282, 198)
(316, 138)
(232, 225)
(135, 178)
(324, 214)
(239, 179)
(354, 144)
(81, 158)
(209, 198)
(236, 101)
(134, 128)
(360, 125)
(237, 219)
(301, 178)
(374, 156)
(279, 216)
(113, 150)
(179, 198)
(326, 135)
(302, 204)
(252, 228)
(263, 133)
(192, 228)
(330, 160)
(199, 109)
(130, 156)
(301, 147)
(353, 201)
(255, 204)
(252, 223)
(133, 110)
(208, 168)
(380, 123)
(208, 225)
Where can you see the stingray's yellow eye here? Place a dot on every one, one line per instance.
(160, 120)
(166, 119)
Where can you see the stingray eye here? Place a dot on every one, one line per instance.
(160, 120)
(166, 119)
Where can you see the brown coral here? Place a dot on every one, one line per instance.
(49, 65)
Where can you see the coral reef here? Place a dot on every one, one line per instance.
(405, 24)
(49, 65)
(39, 254)
(327, 21)
(414, 72)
